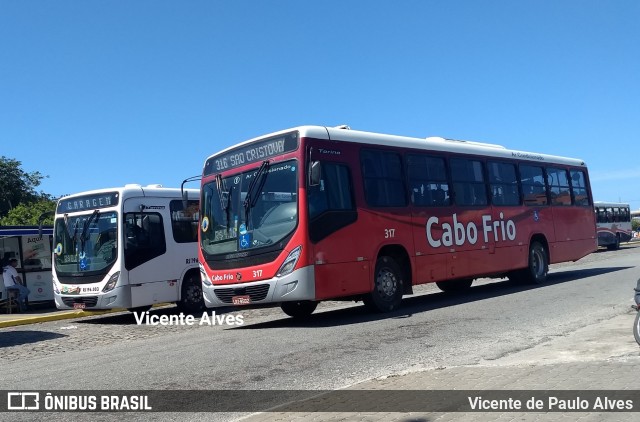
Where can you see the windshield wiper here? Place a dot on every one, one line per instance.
(259, 180)
(84, 236)
(224, 196)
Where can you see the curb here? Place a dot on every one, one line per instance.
(55, 317)
(63, 315)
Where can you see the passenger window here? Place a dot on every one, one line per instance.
(533, 186)
(428, 181)
(144, 238)
(383, 179)
(503, 184)
(468, 182)
(579, 188)
(559, 186)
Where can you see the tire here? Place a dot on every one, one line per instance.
(454, 286)
(636, 328)
(615, 246)
(538, 269)
(191, 299)
(301, 309)
(139, 309)
(387, 286)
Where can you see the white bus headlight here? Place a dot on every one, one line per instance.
(111, 283)
(290, 263)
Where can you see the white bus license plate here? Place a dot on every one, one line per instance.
(241, 300)
(79, 306)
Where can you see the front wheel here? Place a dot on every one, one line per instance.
(387, 286)
(636, 328)
(301, 309)
(191, 299)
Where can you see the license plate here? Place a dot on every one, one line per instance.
(78, 306)
(241, 300)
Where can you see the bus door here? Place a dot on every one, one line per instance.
(430, 197)
(341, 264)
(472, 248)
(145, 224)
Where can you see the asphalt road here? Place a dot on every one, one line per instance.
(341, 344)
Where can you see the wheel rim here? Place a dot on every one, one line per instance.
(193, 293)
(386, 283)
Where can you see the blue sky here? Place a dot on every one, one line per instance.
(98, 94)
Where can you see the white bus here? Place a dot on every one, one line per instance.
(128, 247)
(613, 221)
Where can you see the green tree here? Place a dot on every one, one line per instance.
(28, 213)
(17, 186)
(635, 224)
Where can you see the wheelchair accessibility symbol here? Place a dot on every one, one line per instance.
(244, 240)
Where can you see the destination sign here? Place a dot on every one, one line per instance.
(88, 202)
(251, 153)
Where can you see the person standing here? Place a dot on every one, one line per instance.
(12, 281)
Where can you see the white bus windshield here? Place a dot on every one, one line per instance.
(232, 222)
(86, 244)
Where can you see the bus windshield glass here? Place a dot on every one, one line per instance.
(233, 221)
(86, 244)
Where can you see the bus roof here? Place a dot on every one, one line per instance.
(610, 204)
(149, 190)
(344, 133)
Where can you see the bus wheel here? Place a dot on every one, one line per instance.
(139, 309)
(455, 285)
(301, 309)
(615, 246)
(538, 268)
(191, 299)
(387, 286)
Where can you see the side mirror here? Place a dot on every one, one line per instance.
(185, 194)
(315, 173)
(185, 199)
(41, 219)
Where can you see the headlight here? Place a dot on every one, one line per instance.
(204, 277)
(290, 263)
(111, 283)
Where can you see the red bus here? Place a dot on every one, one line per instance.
(317, 213)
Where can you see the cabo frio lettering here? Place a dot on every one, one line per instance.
(460, 233)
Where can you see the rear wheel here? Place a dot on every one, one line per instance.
(301, 309)
(536, 272)
(191, 299)
(387, 286)
(616, 245)
(455, 285)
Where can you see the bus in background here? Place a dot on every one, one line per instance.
(317, 213)
(613, 222)
(128, 247)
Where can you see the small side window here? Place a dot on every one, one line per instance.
(184, 222)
